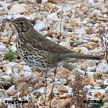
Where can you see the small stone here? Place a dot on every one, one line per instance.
(2, 48)
(41, 91)
(95, 13)
(16, 75)
(98, 95)
(97, 86)
(85, 21)
(91, 69)
(40, 26)
(27, 68)
(44, 1)
(89, 80)
(71, 77)
(65, 44)
(105, 82)
(63, 89)
(91, 2)
(81, 72)
(69, 66)
(17, 67)
(83, 66)
(80, 31)
(97, 75)
(53, 16)
(102, 67)
(28, 75)
(92, 45)
(65, 95)
(73, 23)
(14, 49)
(17, 9)
(6, 78)
(89, 63)
(63, 73)
(106, 89)
(69, 89)
(84, 50)
(8, 70)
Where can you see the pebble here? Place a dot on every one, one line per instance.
(6, 78)
(91, 69)
(40, 26)
(102, 67)
(41, 90)
(102, 91)
(1, 71)
(106, 89)
(63, 89)
(69, 89)
(16, 75)
(81, 72)
(44, 1)
(65, 44)
(89, 63)
(27, 68)
(28, 75)
(97, 86)
(85, 21)
(53, 17)
(17, 9)
(105, 82)
(80, 31)
(14, 49)
(84, 50)
(63, 73)
(88, 87)
(8, 70)
(91, 2)
(2, 48)
(95, 13)
(88, 80)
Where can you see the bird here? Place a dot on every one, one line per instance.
(38, 51)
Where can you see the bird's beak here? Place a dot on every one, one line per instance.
(12, 21)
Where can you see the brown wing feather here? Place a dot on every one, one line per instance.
(42, 43)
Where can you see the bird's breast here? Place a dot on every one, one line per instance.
(39, 59)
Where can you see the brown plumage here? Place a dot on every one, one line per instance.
(40, 52)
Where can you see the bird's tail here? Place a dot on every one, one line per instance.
(79, 56)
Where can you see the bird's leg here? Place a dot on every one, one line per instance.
(46, 73)
(38, 81)
(52, 93)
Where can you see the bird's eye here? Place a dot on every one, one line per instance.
(21, 23)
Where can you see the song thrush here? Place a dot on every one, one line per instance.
(40, 52)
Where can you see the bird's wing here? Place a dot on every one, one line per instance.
(52, 47)
(42, 43)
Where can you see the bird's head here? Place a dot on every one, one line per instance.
(22, 25)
